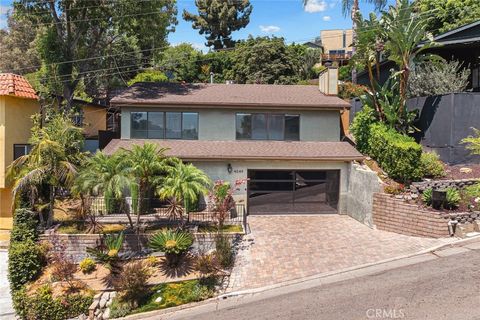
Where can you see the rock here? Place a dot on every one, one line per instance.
(109, 303)
(414, 196)
(398, 196)
(103, 302)
(97, 296)
(97, 312)
(106, 314)
(113, 294)
(465, 170)
(158, 300)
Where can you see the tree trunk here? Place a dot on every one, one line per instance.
(354, 36)
(51, 206)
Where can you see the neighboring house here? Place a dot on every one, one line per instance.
(286, 139)
(462, 44)
(18, 102)
(337, 45)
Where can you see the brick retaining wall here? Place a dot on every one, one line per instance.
(398, 216)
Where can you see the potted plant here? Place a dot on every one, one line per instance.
(174, 243)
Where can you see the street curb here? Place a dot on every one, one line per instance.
(337, 272)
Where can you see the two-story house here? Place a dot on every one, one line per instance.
(18, 102)
(286, 139)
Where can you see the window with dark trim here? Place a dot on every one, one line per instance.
(267, 126)
(21, 150)
(164, 125)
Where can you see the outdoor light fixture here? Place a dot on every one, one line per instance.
(229, 168)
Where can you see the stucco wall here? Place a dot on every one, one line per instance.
(218, 124)
(333, 40)
(217, 170)
(94, 119)
(363, 184)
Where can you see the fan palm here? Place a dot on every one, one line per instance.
(146, 164)
(106, 175)
(51, 162)
(184, 183)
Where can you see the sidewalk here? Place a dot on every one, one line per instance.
(6, 308)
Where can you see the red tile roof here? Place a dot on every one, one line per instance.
(227, 96)
(247, 150)
(16, 85)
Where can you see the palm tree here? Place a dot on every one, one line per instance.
(352, 7)
(184, 183)
(106, 175)
(146, 164)
(405, 31)
(51, 162)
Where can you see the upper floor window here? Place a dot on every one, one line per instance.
(164, 125)
(267, 126)
(21, 150)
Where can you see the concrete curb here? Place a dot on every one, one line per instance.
(338, 272)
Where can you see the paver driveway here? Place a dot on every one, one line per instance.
(290, 247)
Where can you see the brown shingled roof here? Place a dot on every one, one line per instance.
(247, 150)
(16, 85)
(228, 95)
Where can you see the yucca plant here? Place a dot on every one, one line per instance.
(174, 243)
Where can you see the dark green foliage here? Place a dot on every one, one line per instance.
(42, 306)
(398, 155)
(453, 198)
(427, 196)
(360, 128)
(25, 261)
(265, 60)
(218, 18)
(171, 241)
(223, 251)
(25, 226)
(180, 63)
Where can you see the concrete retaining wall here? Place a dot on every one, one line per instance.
(363, 183)
(398, 216)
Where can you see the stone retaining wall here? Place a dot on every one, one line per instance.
(397, 215)
(443, 184)
(77, 244)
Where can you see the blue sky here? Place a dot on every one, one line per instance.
(285, 18)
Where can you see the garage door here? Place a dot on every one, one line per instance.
(293, 191)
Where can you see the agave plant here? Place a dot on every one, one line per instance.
(173, 242)
(108, 256)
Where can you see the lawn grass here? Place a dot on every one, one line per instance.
(177, 293)
(79, 227)
(226, 228)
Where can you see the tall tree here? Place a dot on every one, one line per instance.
(218, 18)
(82, 37)
(445, 15)
(180, 62)
(18, 46)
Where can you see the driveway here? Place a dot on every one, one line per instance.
(284, 248)
(6, 309)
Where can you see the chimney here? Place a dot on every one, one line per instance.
(328, 81)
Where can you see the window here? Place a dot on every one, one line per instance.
(164, 125)
(20, 150)
(267, 126)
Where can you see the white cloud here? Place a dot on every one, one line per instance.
(316, 6)
(327, 18)
(269, 29)
(4, 10)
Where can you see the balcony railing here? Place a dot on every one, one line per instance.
(336, 56)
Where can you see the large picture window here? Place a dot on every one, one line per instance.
(267, 126)
(164, 125)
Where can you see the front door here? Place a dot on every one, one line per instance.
(293, 191)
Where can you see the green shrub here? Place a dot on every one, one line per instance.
(398, 155)
(223, 251)
(42, 306)
(453, 198)
(25, 226)
(360, 128)
(119, 309)
(25, 261)
(171, 241)
(206, 265)
(427, 196)
(87, 265)
(431, 165)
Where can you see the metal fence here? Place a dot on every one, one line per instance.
(156, 211)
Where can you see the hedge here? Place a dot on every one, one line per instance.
(25, 262)
(398, 155)
(360, 128)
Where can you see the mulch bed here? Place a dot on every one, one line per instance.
(453, 172)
